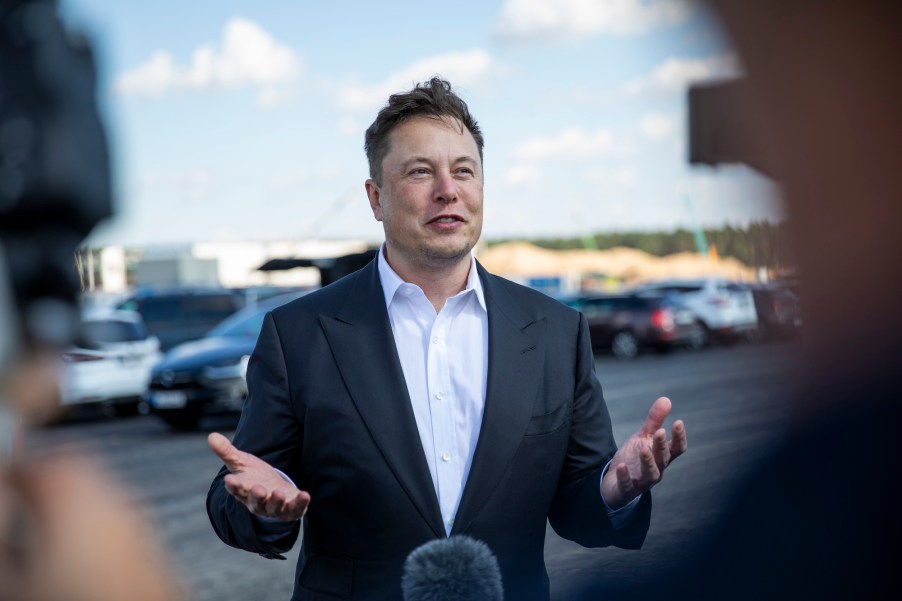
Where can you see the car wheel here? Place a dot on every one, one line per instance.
(624, 345)
(701, 339)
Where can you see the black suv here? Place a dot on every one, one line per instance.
(176, 315)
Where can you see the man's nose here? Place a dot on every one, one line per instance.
(445, 188)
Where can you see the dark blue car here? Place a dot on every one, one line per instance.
(206, 376)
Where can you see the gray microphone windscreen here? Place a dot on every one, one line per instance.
(458, 568)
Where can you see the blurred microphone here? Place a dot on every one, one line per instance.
(458, 568)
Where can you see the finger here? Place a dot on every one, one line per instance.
(256, 500)
(235, 487)
(625, 481)
(275, 504)
(659, 411)
(295, 507)
(679, 443)
(224, 449)
(650, 472)
(661, 449)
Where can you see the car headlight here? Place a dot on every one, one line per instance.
(230, 371)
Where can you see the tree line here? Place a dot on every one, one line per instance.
(760, 244)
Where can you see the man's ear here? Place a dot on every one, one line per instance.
(375, 196)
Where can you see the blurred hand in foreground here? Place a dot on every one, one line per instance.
(68, 532)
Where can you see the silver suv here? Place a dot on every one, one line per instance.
(726, 309)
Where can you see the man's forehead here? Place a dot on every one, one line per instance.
(418, 134)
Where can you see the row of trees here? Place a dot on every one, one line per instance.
(760, 244)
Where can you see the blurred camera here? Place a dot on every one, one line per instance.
(54, 173)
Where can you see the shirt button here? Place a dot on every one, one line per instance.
(446, 457)
(439, 396)
(435, 339)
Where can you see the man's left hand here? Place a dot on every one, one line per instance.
(640, 463)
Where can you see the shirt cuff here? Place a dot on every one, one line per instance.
(620, 518)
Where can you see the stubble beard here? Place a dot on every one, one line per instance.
(444, 257)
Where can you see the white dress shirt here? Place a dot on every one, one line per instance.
(444, 357)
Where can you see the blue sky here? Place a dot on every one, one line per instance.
(244, 120)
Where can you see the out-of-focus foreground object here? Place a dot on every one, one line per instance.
(820, 111)
(68, 532)
(80, 539)
(54, 170)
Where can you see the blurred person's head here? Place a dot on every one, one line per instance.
(824, 82)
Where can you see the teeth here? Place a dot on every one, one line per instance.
(445, 220)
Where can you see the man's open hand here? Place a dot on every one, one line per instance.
(640, 463)
(258, 485)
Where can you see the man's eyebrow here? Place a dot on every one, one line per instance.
(421, 159)
(413, 160)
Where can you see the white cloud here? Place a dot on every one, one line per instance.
(658, 126)
(520, 175)
(566, 19)
(677, 73)
(248, 57)
(460, 68)
(273, 96)
(573, 143)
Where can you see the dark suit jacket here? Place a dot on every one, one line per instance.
(329, 406)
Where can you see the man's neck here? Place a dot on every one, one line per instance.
(438, 281)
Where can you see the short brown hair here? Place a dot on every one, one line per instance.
(433, 99)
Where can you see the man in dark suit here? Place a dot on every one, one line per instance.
(422, 397)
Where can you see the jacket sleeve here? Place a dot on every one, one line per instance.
(270, 428)
(578, 512)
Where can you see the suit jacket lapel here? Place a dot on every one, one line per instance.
(516, 355)
(361, 328)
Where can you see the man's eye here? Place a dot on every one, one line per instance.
(419, 171)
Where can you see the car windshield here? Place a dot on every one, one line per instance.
(248, 322)
(243, 325)
(106, 331)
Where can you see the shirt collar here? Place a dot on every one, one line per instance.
(391, 281)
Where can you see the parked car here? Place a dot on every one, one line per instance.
(625, 324)
(178, 314)
(206, 376)
(726, 309)
(779, 311)
(110, 368)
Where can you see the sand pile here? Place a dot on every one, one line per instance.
(522, 259)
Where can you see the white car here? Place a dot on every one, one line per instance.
(726, 309)
(111, 367)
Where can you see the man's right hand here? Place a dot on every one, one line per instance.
(258, 485)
